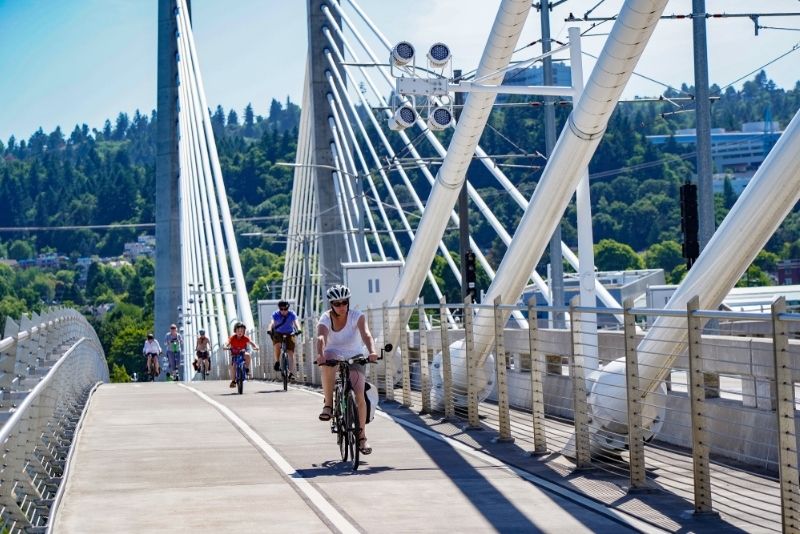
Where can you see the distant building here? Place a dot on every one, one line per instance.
(145, 245)
(788, 272)
(735, 151)
(620, 284)
(50, 260)
(562, 76)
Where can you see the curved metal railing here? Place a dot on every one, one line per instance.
(49, 365)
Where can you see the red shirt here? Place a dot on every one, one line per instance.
(238, 344)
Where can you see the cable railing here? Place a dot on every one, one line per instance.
(50, 365)
(718, 431)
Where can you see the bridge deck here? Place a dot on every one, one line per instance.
(165, 456)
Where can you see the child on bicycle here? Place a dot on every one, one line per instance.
(237, 344)
(202, 348)
(341, 334)
(151, 350)
(284, 322)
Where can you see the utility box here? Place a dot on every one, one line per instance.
(371, 283)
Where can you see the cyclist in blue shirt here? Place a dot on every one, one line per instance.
(284, 321)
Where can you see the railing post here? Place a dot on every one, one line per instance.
(447, 372)
(473, 421)
(311, 349)
(583, 457)
(635, 445)
(373, 369)
(785, 412)
(406, 360)
(700, 437)
(537, 381)
(424, 370)
(502, 380)
(388, 362)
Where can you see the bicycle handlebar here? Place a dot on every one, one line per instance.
(360, 359)
(294, 333)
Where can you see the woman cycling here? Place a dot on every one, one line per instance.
(341, 334)
(151, 350)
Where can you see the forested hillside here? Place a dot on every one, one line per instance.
(90, 178)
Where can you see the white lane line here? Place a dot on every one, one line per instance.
(314, 496)
(621, 517)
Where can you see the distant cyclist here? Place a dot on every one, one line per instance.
(202, 348)
(237, 344)
(341, 334)
(173, 341)
(284, 321)
(151, 350)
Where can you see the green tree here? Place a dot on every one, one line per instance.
(666, 255)
(610, 255)
(126, 348)
(119, 374)
(20, 250)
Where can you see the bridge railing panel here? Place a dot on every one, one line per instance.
(527, 392)
(55, 360)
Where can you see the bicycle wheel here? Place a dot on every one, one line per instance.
(240, 379)
(342, 437)
(353, 429)
(285, 370)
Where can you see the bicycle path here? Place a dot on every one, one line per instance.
(170, 458)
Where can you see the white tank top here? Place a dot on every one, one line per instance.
(347, 342)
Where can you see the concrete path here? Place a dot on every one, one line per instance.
(161, 457)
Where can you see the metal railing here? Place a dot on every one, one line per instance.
(49, 364)
(717, 429)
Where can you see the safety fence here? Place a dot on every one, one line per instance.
(696, 403)
(49, 364)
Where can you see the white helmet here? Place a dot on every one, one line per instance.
(338, 292)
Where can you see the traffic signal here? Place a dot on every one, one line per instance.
(689, 223)
(472, 290)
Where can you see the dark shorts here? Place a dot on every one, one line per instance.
(202, 354)
(276, 339)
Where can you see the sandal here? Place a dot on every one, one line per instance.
(327, 412)
(363, 446)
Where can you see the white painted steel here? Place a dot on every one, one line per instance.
(587, 281)
(509, 14)
(571, 155)
(243, 304)
(762, 206)
(484, 158)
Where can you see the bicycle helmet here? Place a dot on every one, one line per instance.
(150, 336)
(338, 292)
(283, 303)
(202, 332)
(239, 325)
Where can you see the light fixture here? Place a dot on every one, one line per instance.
(440, 118)
(404, 117)
(439, 55)
(402, 53)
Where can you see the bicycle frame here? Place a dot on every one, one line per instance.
(238, 362)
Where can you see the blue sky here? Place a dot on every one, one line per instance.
(66, 62)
